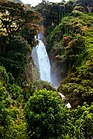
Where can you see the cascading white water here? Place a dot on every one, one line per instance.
(41, 60)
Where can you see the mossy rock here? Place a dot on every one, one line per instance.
(40, 85)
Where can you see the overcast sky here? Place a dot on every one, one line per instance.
(35, 2)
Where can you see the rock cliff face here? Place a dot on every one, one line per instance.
(31, 71)
(58, 70)
(71, 54)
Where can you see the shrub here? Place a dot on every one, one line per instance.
(45, 115)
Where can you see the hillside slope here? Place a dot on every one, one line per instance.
(71, 42)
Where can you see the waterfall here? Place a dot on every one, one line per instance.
(41, 60)
(40, 57)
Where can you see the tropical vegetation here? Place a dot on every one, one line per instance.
(34, 110)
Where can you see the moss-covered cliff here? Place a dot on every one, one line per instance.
(71, 45)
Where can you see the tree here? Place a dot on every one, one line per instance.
(12, 124)
(15, 56)
(82, 121)
(4, 115)
(46, 115)
(14, 16)
(18, 27)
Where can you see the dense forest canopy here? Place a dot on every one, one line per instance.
(17, 34)
(34, 110)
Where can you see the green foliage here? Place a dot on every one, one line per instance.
(28, 90)
(79, 8)
(47, 118)
(15, 93)
(3, 94)
(73, 91)
(78, 87)
(53, 13)
(16, 17)
(4, 115)
(15, 56)
(40, 85)
(45, 115)
(12, 123)
(3, 75)
(71, 43)
(17, 23)
(29, 35)
(70, 39)
(82, 117)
